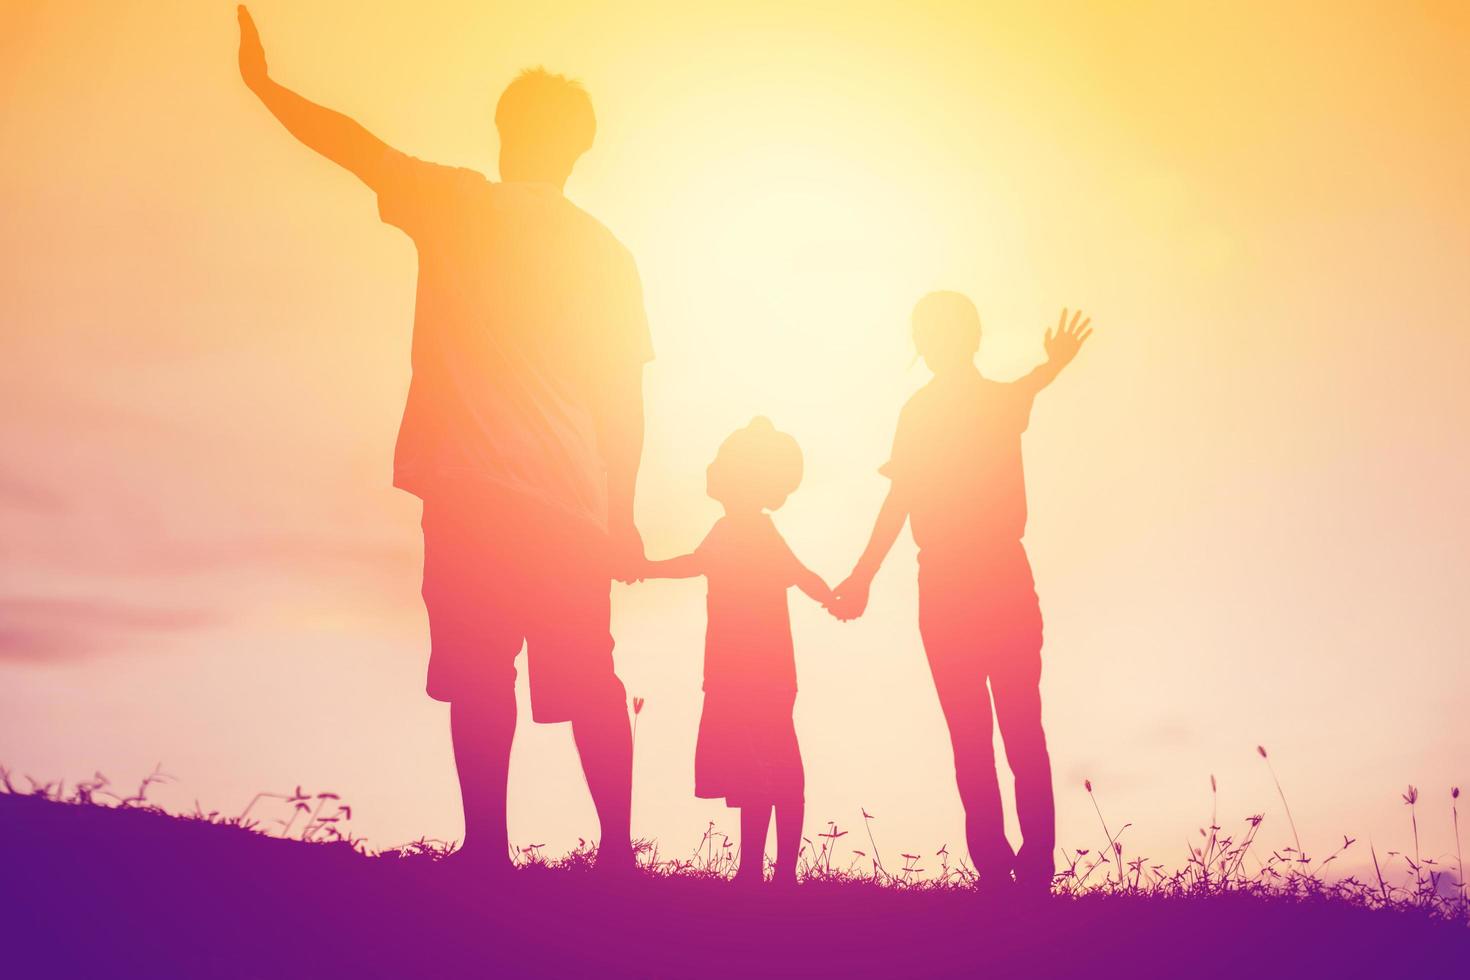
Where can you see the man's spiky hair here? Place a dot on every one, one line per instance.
(550, 112)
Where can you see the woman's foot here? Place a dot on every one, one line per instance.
(995, 884)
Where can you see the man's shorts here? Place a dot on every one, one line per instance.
(502, 572)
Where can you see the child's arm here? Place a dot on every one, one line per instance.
(813, 585)
(1062, 344)
(685, 566)
(852, 594)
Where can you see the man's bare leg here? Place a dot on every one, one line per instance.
(482, 728)
(605, 743)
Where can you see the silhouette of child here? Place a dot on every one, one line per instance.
(747, 751)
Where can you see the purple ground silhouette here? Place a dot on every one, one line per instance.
(92, 890)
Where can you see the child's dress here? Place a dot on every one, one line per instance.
(747, 751)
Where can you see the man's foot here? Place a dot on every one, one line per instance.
(748, 880)
(477, 866)
(784, 882)
(615, 862)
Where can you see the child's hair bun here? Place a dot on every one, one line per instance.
(760, 460)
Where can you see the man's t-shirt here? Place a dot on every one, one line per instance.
(957, 463)
(528, 314)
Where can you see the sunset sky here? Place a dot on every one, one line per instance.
(1248, 517)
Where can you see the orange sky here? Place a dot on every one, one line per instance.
(1246, 495)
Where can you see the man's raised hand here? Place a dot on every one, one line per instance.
(252, 53)
(1065, 340)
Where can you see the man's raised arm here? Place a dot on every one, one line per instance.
(333, 135)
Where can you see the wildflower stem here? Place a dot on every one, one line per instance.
(1291, 821)
(1414, 822)
(1382, 885)
(1459, 857)
(877, 858)
(1106, 832)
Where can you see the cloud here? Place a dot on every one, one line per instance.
(48, 629)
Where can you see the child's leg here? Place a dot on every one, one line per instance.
(790, 815)
(755, 824)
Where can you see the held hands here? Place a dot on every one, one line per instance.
(252, 53)
(850, 598)
(1065, 340)
(825, 597)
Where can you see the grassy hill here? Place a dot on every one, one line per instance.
(92, 890)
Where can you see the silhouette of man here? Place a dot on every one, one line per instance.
(957, 478)
(522, 433)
